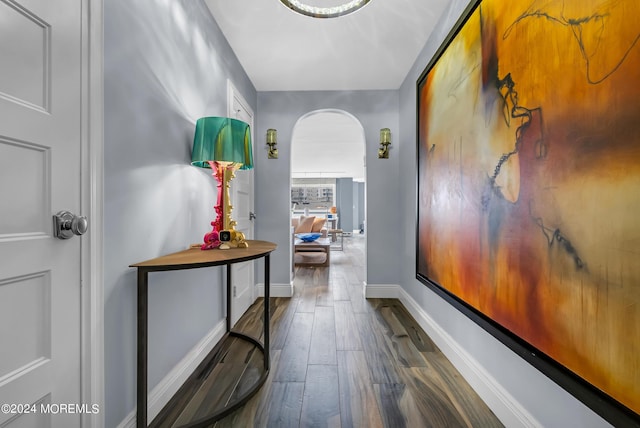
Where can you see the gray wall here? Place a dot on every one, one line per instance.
(358, 204)
(374, 110)
(547, 402)
(166, 64)
(344, 193)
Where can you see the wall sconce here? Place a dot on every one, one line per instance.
(385, 142)
(272, 140)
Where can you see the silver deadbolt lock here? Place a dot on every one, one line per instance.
(67, 224)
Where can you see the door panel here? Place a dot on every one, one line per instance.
(24, 212)
(242, 274)
(40, 93)
(25, 77)
(27, 328)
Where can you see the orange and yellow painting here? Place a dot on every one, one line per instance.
(529, 180)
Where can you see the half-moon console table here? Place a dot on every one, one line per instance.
(192, 259)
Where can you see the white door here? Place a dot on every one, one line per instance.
(242, 277)
(40, 93)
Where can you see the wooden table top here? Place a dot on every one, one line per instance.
(195, 257)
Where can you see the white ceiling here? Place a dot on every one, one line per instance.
(280, 50)
(373, 48)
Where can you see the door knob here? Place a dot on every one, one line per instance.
(67, 224)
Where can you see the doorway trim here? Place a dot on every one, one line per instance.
(92, 171)
(363, 139)
(237, 305)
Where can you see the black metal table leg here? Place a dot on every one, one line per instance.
(191, 259)
(229, 295)
(141, 417)
(267, 290)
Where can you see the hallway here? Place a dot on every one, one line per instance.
(339, 360)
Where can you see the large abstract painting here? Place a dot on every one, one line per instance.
(529, 185)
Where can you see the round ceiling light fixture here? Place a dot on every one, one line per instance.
(340, 8)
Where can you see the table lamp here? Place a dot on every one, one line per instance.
(224, 145)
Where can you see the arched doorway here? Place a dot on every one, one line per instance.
(328, 169)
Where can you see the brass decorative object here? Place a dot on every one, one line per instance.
(385, 142)
(272, 141)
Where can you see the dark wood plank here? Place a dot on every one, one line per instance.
(358, 404)
(251, 321)
(431, 400)
(285, 406)
(324, 296)
(358, 302)
(303, 277)
(253, 412)
(389, 396)
(283, 310)
(217, 391)
(321, 404)
(323, 337)
(372, 345)
(419, 338)
(353, 276)
(320, 276)
(295, 354)
(249, 377)
(347, 337)
(254, 368)
(338, 283)
(307, 301)
(462, 395)
(281, 410)
(405, 352)
(324, 293)
(307, 292)
(188, 413)
(399, 409)
(193, 387)
(380, 359)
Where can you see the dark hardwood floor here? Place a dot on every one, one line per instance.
(338, 360)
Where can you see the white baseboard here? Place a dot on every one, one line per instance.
(381, 291)
(169, 385)
(277, 290)
(510, 412)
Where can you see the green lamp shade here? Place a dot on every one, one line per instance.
(222, 139)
